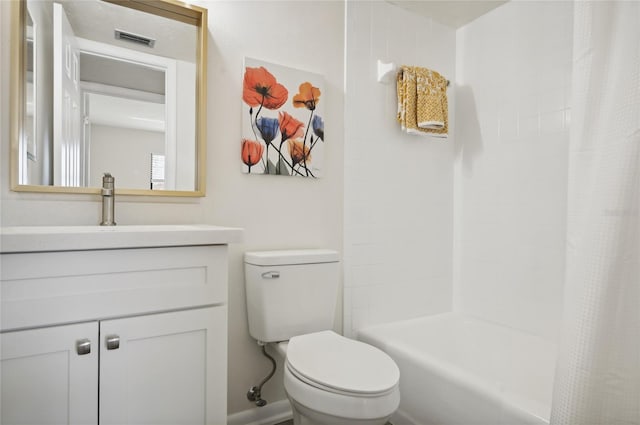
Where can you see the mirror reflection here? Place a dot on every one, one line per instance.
(29, 132)
(108, 88)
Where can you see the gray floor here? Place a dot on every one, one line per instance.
(290, 422)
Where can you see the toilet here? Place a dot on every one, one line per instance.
(329, 379)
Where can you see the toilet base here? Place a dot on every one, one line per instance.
(303, 415)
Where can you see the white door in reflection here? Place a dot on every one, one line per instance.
(66, 101)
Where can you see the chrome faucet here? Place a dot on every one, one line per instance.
(108, 200)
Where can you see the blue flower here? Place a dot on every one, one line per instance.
(268, 128)
(318, 126)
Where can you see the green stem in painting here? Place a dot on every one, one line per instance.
(293, 170)
(254, 133)
(266, 162)
(304, 142)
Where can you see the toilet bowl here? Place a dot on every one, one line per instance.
(330, 379)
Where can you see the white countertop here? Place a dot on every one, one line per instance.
(74, 238)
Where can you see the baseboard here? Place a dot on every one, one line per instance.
(270, 414)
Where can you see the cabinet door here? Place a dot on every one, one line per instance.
(168, 368)
(44, 378)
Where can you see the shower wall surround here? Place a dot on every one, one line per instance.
(398, 220)
(476, 223)
(514, 82)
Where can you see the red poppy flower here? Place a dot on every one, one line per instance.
(298, 152)
(261, 88)
(289, 126)
(251, 152)
(308, 97)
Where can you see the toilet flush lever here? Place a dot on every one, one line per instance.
(271, 275)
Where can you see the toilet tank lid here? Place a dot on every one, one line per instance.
(294, 256)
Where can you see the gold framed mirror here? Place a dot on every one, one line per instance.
(113, 86)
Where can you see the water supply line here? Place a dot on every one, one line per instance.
(255, 393)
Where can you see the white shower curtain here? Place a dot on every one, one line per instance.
(598, 372)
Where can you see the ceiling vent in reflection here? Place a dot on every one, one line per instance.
(134, 38)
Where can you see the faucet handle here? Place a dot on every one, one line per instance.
(108, 180)
(108, 184)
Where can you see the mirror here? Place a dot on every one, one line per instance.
(113, 86)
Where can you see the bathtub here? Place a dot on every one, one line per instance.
(455, 369)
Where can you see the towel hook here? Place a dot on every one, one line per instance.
(386, 71)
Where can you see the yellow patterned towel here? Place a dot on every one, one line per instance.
(422, 101)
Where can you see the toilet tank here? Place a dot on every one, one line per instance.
(290, 293)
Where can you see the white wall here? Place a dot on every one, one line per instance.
(185, 126)
(513, 77)
(276, 212)
(398, 187)
(106, 155)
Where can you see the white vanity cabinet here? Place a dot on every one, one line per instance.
(167, 369)
(132, 334)
(44, 380)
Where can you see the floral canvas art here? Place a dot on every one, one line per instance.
(282, 120)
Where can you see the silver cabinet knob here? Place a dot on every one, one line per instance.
(113, 342)
(83, 346)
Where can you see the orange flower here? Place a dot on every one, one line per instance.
(308, 97)
(299, 152)
(251, 152)
(289, 126)
(261, 88)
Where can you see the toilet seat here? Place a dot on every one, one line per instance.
(342, 406)
(333, 363)
(331, 390)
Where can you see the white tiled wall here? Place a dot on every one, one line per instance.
(476, 223)
(513, 77)
(398, 220)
